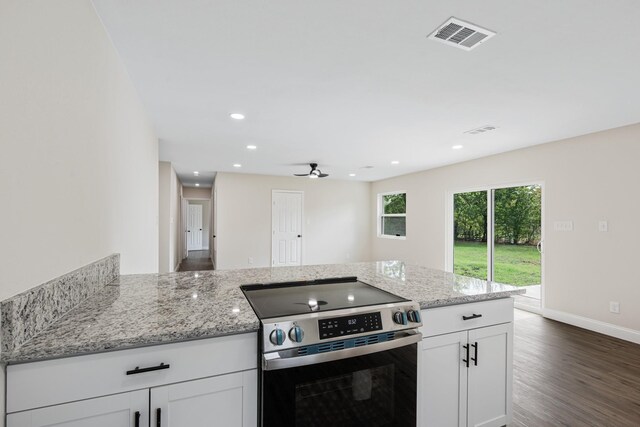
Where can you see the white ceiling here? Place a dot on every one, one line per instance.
(351, 83)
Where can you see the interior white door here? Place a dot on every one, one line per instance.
(443, 381)
(490, 376)
(226, 400)
(286, 243)
(184, 224)
(194, 228)
(118, 410)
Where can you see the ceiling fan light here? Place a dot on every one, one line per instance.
(313, 176)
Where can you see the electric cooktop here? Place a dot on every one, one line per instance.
(291, 298)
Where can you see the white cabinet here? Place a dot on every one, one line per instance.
(195, 383)
(443, 381)
(489, 381)
(227, 400)
(121, 410)
(466, 374)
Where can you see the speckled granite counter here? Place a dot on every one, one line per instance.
(139, 310)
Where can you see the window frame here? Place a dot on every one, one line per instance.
(381, 214)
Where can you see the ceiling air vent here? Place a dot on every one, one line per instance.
(461, 34)
(481, 129)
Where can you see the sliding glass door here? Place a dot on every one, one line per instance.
(497, 236)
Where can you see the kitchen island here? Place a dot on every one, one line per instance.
(208, 333)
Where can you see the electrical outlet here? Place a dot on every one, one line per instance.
(614, 307)
(563, 226)
(250, 260)
(603, 226)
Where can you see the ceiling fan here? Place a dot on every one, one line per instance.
(315, 172)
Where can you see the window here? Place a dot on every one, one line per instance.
(392, 214)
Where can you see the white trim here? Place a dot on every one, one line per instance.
(609, 329)
(448, 241)
(528, 308)
(380, 214)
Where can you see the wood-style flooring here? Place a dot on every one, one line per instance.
(196, 261)
(567, 376)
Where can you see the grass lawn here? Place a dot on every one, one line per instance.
(515, 265)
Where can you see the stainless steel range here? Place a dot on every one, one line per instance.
(335, 352)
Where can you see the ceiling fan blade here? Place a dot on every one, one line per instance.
(322, 175)
(301, 174)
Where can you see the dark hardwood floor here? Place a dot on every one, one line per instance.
(567, 376)
(196, 261)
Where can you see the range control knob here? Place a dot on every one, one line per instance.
(277, 337)
(400, 317)
(296, 334)
(414, 316)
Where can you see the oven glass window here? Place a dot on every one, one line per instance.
(361, 395)
(376, 390)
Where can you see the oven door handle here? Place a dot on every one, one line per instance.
(270, 363)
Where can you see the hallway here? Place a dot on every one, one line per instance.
(196, 261)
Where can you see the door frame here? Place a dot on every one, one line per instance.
(202, 222)
(448, 241)
(302, 230)
(184, 221)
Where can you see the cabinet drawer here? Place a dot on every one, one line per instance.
(51, 382)
(443, 320)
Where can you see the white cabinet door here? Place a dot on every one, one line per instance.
(490, 376)
(443, 381)
(120, 410)
(227, 400)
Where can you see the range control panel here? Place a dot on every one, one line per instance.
(349, 325)
(313, 328)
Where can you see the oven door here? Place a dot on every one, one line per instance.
(372, 386)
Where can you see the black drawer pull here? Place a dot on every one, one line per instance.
(158, 417)
(137, 417)
(475, 359)
(140, 370)
(474, 316)
(466, 347)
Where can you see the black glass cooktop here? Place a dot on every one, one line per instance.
(291, 298)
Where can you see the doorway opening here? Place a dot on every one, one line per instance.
(497, 236)
(197, 235)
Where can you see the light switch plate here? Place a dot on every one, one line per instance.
(563, 226)
(603, 226)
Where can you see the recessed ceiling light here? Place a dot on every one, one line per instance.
(352, 174)
(457, 147)
(237, 165)
(196, 173)
(236, 116)
(251, 147)
(395, 162)
(197, 185)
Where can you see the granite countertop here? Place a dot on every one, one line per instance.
(148, 309)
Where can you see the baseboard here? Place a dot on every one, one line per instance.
(528, 308)
(616, 331)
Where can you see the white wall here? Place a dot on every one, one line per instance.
(169, 218)
(74, 137)
(196, 193)
(78, 170)
(336, 219)
(586, 179)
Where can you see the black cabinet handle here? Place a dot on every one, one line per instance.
(140, 370)
(158, 417)
(137, 419)
(299, 235)
(466, 347)
(475, 348)
(474, 316)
